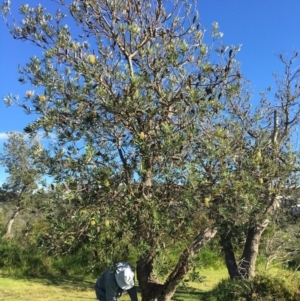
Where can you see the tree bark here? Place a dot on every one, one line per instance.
(151, 289)
(8, 233)
(247, 265)
(230, 260)
(251, 248)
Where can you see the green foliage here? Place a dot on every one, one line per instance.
(18, 260)
(280, 244)
(24, 173)
(80, 263)
(261, 288)
(29, 260)
(166, 259)
(84, 262)
(125, 108)
(153, 130)
(210, 257)
(17, 158)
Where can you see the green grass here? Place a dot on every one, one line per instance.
(194, 291)
(67, 288)
(212, 278)
(38, 289)
(76, 288)
(71, 288)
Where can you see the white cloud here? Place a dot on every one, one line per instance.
(41, 136)
(3, 136)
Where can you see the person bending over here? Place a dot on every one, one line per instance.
(114, 281)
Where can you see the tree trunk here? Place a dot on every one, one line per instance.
(249, 256)
(227, 246)
(151, 289)
(247, 264)
(8, 233)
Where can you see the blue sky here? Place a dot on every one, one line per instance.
(263, 27)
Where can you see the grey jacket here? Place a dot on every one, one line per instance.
(107, 288)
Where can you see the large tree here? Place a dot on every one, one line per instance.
(138, 100)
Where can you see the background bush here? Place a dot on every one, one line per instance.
(19, 260)
(283, 287)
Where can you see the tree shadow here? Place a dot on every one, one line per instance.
(71, 283)
(65, 282)
(184, 293)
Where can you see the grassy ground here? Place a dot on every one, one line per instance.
(212, 278)
(38, 289)
(70, 288)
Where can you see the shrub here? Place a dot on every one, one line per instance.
(10, 255)
(276, 288)
(210, 258)
(261, 288)
(18, 260)
(80, 262)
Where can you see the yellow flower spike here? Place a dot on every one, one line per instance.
(42, 98)
(203, 49)
(206, 201)
(29, 94)
(136, 93)
(92, 59)
(142, 135)
(258, 155)
(106, 183)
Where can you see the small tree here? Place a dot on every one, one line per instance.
(23, 172)
(254, 163)
(280, 247)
